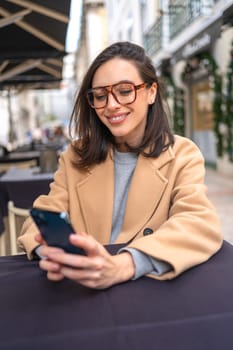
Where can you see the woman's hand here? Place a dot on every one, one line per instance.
(47, 265)
(98, 269)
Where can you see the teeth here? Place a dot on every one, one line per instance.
(116, 118)
(119, 117)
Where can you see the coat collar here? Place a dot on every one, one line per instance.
(96, 196)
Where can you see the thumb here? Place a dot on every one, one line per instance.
(39, 239)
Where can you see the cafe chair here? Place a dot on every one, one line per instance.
(20, 196)
(13, 213)
(3, 244)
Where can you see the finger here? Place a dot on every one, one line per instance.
(76, 261)
(48, 265)
(90, 279)
(39, 238)
(56, 277)
(79, 275)
(45, 250)
(87, 243)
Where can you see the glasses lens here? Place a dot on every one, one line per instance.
(124, 93)
(97, 97)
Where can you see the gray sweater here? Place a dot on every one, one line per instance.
(124, 165)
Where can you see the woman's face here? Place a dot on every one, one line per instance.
(126, 123)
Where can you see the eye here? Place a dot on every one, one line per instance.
(124, 89)
(99, 95)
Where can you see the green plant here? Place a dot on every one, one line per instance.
(229, 109)
(210, 64)
(178, 112)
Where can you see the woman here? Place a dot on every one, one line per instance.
(126, 179)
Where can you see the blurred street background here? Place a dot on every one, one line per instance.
(220, 192)
(46, 48)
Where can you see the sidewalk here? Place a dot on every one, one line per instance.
(220, 192)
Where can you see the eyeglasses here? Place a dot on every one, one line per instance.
(124, 93)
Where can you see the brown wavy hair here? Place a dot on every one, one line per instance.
(94, 138)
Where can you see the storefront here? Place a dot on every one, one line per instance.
(198, 79)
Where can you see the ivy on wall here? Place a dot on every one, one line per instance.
(178, 111)
(229, 109)
(210, 64)
(222, 103)
(223, 107)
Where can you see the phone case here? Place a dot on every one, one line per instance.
(55, 228)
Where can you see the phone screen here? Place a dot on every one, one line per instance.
(55, 229)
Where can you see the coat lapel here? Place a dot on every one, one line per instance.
(95, 194)
(147, 186)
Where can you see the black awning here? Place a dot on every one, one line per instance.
(32, 40)
(34, 73)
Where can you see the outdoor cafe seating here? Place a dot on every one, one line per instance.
(25, 173)
(19, 187)
(29, 155)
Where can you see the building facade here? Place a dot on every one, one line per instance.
(190, 43)
(93, 36)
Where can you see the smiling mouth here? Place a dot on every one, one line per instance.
(117, 118)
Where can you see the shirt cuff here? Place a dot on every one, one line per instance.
(36, 253)
(145, 264)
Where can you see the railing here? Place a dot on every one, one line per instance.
(179, 15)
(153, 38)
(183, 12)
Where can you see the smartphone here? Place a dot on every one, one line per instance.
(55, 229)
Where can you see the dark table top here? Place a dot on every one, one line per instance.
(15, 157)
(193, 311)
(25, 174)
(22, 186)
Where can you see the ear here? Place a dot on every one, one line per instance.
(152, 93)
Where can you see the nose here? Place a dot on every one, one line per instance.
(112, 102)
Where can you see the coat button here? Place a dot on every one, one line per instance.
(147, 231)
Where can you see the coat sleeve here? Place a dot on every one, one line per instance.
(191, 234)
(57, 200)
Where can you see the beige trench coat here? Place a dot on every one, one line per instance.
(167, 195)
